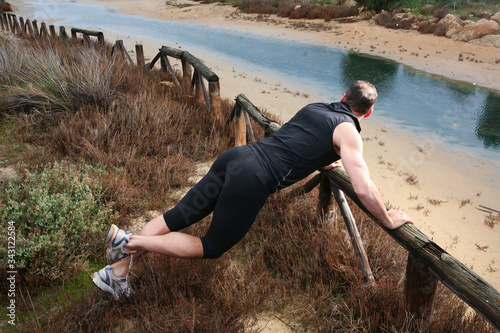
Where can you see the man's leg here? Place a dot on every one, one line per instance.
(156, 237)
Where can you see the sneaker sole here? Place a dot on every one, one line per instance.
(101, 285)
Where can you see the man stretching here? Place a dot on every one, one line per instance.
(241, 179)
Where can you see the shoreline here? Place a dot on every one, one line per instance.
(445, 180)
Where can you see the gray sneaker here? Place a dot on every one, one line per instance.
(108, 282)
(116, 239)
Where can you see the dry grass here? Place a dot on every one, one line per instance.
(436, 202)
(287, 264)
(491, 220)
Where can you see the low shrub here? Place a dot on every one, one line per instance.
(384, 19)
(426, 27)
(59, 215)
(259, 6)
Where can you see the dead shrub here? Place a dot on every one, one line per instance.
(285, 8)
(259, 6)
(426, 27)
(384, 19)
(440, 30)
(440, 12)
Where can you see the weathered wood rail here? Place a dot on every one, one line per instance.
(86, 36)
(191, 81)
(426, 260)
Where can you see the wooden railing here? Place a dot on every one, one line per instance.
(191, 80)
(426, 260)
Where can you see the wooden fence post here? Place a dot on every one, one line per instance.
(30, 27)
(251, 136)
(186, 74)
(357, 243)
(3, 20)
(122, 50)
(15, 22)
(199, 88)
(165, 66)
(62, 33)
(215, 100)
(43, 30)
(35, 28)
(10, 24)
(23, 26)
(52, 30)
(240, 128)
(100, 40)
(419, 288)
(139, 51)
(324, 212)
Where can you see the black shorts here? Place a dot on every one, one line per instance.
(235, 189)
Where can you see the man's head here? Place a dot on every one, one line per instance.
(361, 96)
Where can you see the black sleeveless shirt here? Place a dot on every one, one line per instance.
(303, 145)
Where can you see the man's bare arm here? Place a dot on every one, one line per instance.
(350, 146)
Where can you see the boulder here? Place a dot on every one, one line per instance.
(496, 17)
(450, 24)
(403, 20)
(5, 7)
(477, 30)
(489, 40)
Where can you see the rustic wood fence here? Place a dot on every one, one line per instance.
(194, 71)
(427, 261)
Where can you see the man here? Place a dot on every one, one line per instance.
(240, 181)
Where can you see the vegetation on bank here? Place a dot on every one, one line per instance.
(98, 141)
(336, 9)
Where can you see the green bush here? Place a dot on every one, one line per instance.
(59, 218)
(376, 5)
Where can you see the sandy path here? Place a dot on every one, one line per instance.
(450, 186)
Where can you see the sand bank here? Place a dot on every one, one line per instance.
(440, 190)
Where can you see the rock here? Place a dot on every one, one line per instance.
(489, 40)
(477, 30)
(5, 7)
(366, 15)
(496, 17)
(403, 20)
(450, 24)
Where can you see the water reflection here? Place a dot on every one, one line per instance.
(487, 125)
(463, 116)
(356, 67)
(459, 113)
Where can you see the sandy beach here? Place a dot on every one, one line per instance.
(447, 188)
